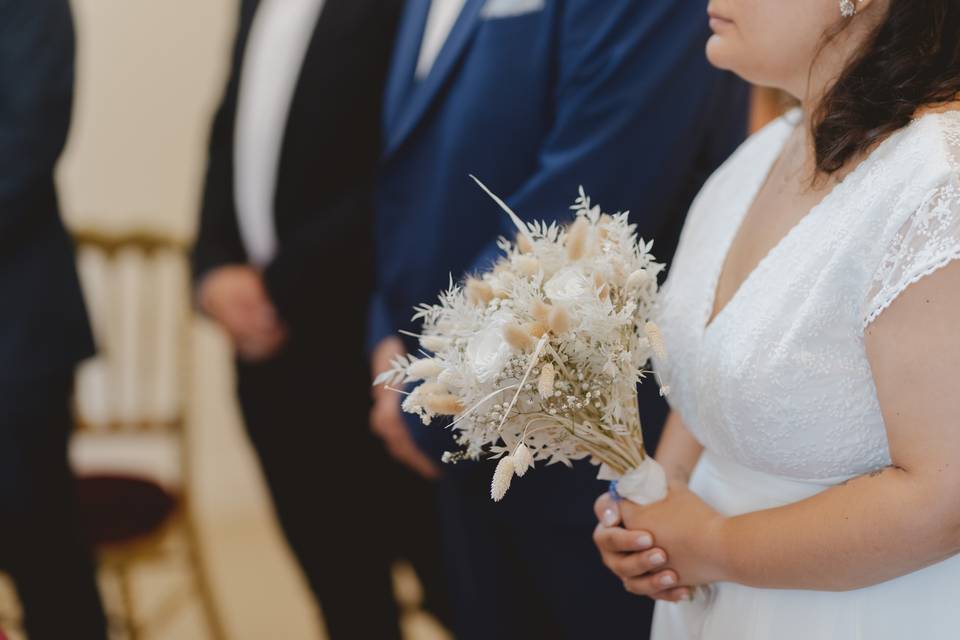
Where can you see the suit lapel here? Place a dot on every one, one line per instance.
(400, 80)
(421, 95)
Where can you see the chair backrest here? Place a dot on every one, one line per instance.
(138, 295)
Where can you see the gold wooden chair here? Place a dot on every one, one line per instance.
(133, 396)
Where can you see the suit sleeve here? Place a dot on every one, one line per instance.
(636, 101)
(36, 94)
(218, 240)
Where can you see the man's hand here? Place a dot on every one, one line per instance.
(235, 297)
(386, 416)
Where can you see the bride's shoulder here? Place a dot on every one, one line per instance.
(918, 224)
(943, 130)
(928, 146)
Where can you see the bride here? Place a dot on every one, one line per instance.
(812, 316)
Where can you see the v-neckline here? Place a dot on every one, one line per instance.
(712, 316)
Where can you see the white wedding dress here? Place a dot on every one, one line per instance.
(778, 388)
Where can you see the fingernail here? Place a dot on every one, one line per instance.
(666, 580)
(610, 518)
(657, 559)
(644, 541)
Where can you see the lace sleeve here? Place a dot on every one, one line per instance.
(926, 242)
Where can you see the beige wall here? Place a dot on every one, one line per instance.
(150, 73)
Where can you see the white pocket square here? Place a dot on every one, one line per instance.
(509, 8)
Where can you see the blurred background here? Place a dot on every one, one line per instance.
(149, 77)
(159, 404)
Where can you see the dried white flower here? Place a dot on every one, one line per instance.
(569, 286)
(502, 476)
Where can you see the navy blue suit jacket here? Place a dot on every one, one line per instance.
(615, 96)
(43, 325)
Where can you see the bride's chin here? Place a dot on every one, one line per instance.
(718, 55)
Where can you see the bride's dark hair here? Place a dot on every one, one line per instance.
(912, 60)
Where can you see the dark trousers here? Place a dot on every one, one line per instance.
(526, 567)
(41, 545)
(347, 510)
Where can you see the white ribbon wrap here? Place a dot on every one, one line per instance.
(644, 485)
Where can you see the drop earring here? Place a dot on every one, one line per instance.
(847, 8)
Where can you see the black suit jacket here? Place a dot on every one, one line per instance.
(321, 277)
(43, 324)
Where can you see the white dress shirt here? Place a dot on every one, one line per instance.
(443, 15)
(277, 45)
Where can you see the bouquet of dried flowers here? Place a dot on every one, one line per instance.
(539, 359)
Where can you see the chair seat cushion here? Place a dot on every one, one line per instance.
(117, 508)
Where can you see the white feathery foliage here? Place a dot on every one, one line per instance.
(542, 354)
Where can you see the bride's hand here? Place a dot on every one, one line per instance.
(682, 525)
(631, 556)
(687, 528)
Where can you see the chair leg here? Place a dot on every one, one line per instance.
(130, 620)
(201, 580)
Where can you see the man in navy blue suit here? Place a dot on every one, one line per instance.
(43, 329)
(535, 97)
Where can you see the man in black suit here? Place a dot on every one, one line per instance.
(283, 263)
(43, 329)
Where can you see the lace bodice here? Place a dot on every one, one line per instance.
(779, 381)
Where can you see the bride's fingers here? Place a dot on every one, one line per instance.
(678, 594)
(649, 585)
(606, 510)
(632, 565)
(619, 540)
